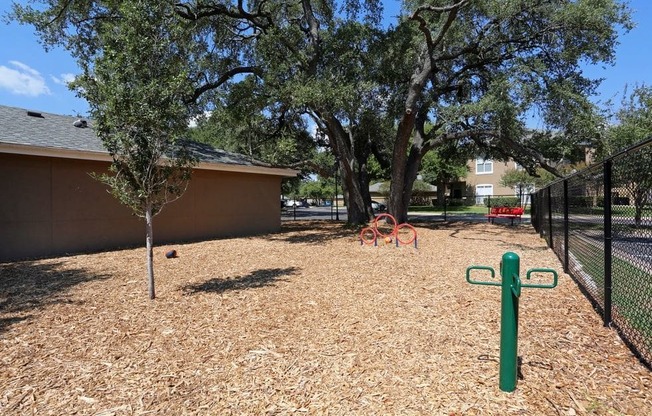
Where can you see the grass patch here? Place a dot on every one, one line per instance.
(631, 286)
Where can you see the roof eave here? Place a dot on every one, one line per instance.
(260, 170)
(26, 150)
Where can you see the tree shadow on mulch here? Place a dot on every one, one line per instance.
(254, 280)
(498, 233)
(28, 286)
(314, 232)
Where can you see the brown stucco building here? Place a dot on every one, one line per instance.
(50, 205)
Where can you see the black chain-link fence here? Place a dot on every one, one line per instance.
(599, 223)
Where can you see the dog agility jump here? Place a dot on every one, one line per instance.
(388, 233)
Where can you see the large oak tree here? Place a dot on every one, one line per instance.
(472, 71)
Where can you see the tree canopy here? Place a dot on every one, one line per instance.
(520, 178)
(632, 176)
(448, 71)
(631, 122)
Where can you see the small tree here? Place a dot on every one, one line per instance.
(634, 124)
(314, 190)
(136, 89)
(518, 179)
(524, 182)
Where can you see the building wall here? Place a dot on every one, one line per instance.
(52, 206)
(474, 178)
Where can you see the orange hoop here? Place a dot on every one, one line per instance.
(362, 236)
(394, 228)
(408, 226)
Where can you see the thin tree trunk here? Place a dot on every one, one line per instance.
(150, 250)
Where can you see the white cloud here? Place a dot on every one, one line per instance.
(63, 79)
(22, 80)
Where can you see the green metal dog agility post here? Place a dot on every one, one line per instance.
(511, 291)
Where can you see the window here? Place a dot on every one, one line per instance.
(483, 167)
(482, 191)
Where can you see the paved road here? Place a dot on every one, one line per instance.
(624, 245)
(313, 213)
(328, 213)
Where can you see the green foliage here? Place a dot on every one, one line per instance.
(420, 193)
(634, 124)
(445, 164)
(577, 202)
(246, 121)
(502, 201)
(477, 69)
(320, 189)
(376, 171)
(465, 73)
(456, 202)
(134, 57)
(290, 187)
(135, 89)
(515, 178)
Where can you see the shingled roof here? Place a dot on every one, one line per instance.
(43, 134)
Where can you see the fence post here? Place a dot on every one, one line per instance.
(550, 217)
(540, 212)
(566, 226)
(533, 211)
(607, 241)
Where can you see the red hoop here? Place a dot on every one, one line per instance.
(414, 233)
(364, 240)
(394, 228)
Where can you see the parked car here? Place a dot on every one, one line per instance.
(291, 203)
(377, 206)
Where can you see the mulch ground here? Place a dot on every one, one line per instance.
(306, 321)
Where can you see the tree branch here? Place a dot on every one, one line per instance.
(313, 24)
(517, 151)
(423, 24)
(61, 12)
(221, 80)
(261, 20)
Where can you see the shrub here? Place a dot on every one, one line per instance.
(502, 201)
(456, 202)
(586, 201)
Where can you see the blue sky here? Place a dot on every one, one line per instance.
(34, 79)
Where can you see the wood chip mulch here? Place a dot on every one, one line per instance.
(305, 321)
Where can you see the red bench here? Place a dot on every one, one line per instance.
(505, 212)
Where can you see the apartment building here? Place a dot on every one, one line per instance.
(482, 181)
